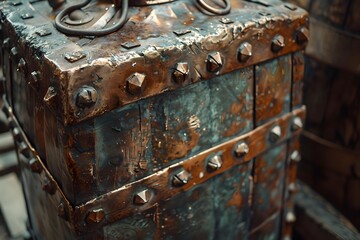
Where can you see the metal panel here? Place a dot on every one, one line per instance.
(273, 81)
(298, 67)
(268, 184)
(216, 209)
(144, 137)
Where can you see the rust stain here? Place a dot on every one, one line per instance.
(236, 199)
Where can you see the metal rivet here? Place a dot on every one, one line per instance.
(14, 52)
(130, 44)
(181, 72)
(135, 84)
(24, 150)
(74, 56)
(16, 134)
(62, 211)
(50, 95)
(48, 185)
(214, 62)
(181, 178)
(182, 32)
(277, 43)
(35, 165)
(290, 217)
(26, 16)
(6, 43)
(292, 187)
(95, 216)
(86, 97)
(35, 77)
(226, 20)
(21, 67)
(295, 156)
(214, 163)
(43, 32)
(241, 149)
(275, 134)
(245, 52)
(302, 35)
(296, 124)
(142, 197)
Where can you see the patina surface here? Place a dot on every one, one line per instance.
(178, 126)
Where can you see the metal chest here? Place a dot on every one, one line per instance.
(181, 125)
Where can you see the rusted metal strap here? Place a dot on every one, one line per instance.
(146, 193)
(163, 185)
(330, 155)
(341, 49)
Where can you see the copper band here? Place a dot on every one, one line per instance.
(119, 203)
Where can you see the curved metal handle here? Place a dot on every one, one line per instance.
(213, 10)
(91, 32)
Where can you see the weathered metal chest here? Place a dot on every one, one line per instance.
(178, 126)
(331, 144)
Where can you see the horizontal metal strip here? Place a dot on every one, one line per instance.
(334, 47)
(164, 184)
(146, 193)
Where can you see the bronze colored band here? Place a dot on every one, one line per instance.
(334, 47)
(159, 186)
(119, 203)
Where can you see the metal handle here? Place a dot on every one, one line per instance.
(213, 10)
(121, 14)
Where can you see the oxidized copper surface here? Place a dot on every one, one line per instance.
(119, 204)
(176, 126)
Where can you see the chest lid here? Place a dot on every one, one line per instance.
(160, 48)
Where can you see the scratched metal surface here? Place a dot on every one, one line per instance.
(208, 211)
(269, 181)
(157, 132)
(225, 185)
(75, 144)
(107, 64)
(273, 88)
(122, 136)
